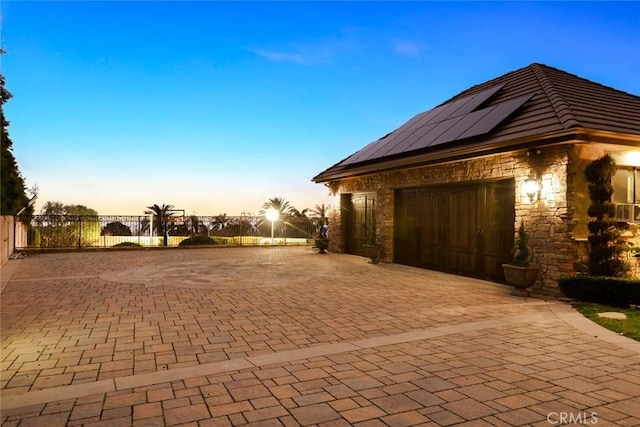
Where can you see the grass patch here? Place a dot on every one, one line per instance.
(629, 327)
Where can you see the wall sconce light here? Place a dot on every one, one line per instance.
(531, 187)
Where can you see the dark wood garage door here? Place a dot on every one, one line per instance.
(461, 229)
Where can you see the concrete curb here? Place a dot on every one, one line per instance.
(570, 316)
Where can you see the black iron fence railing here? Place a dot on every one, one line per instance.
(79, 231)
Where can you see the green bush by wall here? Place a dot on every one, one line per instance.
(613, 291)
(197, 241)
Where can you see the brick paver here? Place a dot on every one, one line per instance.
(195, 337)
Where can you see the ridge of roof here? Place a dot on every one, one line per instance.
(560, 105)
(584, 79)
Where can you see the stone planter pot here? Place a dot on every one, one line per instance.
(520, 278)
(322, 245)
(373, 251)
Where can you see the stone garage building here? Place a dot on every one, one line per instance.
(448, 189)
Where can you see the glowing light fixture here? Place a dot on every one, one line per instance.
(531, 187)
(272, 215)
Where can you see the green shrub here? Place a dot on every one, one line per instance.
(522, 255)
(197, 241)
(33, 237)
(605, 247)
(614, 291)
(127, 244)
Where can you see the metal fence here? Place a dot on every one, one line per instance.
(84, 231)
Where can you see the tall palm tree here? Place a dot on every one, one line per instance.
(319, 215)
(161, 214)
(320, 211)
(277, 203)
(284, 211)
(298, 214)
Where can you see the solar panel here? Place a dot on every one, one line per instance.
(416, 136)
(361, 154)
(371, 149)
(396, 140)
(454, 132)
(416, 122)
(495, 116)
(435, 133)
(449, 122)
(465, 105)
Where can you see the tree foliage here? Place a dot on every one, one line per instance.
(220, 224)
(52, 209)
(278, 203)
(161, 215)
(63, 225)
(116, 229)
(521, 257)
(319, 214)
(13, 196)
(320, 211)
(195, 227)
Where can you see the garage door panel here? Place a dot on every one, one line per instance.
(406, 243)
(359, 210)
(461, 229)
(433, 221)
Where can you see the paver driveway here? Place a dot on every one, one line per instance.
(284, 336)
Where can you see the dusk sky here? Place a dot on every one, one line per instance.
(215, 107)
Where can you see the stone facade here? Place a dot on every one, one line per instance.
(556, 222)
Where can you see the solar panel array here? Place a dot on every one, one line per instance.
(449, 122)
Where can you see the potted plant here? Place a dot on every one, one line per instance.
(520, 273)
(372, 249)
(322, 239)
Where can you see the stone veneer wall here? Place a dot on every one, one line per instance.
(549, 221)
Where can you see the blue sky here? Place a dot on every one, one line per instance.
(218, 106)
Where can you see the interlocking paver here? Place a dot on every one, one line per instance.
(261, 415)
(445, 418)
(185, 414)
(404, 419)
(314, 414)
(362, 414)
(322, 340)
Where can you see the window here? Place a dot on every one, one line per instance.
(626, 194)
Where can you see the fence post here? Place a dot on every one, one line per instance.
(79, 231)
(15, 233)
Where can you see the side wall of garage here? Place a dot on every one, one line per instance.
(549, 220)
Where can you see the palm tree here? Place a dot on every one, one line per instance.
(251, 220)
(277, 203)
(320, 211)
(298, 214)
(194, 225)
(220, 222)
(284, 209)
(161, 214)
